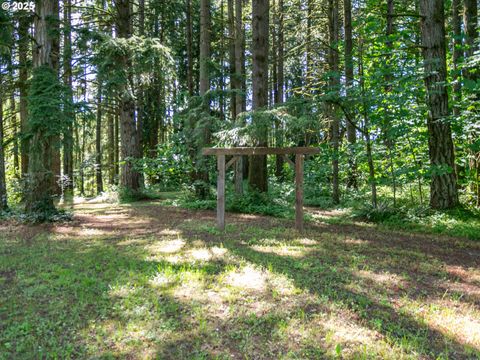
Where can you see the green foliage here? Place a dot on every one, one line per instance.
(47, 214)
(277, 202)
(46, 122)
(382, 212)
(456, 222)
(170, 168)
(6, 29)
(46, 98)
(197, 124)
(145, 56)
(253, 202)
(127, 195)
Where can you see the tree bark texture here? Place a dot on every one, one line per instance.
(349, 77)
(68, 81)
(443, 187)
(333, 87)
(257, 176)
(23, 47)
(3, 184)
(129, 177)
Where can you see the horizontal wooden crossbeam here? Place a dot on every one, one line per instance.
(260, 151)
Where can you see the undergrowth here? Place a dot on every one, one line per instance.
(57, 215)
(271, 203)
(464, 222)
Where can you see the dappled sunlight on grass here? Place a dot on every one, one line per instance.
(165, 246)
(153, 282)
(456, 320)
(283, 250)
(384, 279)
(357, 241)
(248, 278)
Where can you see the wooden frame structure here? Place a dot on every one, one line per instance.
(237, 152)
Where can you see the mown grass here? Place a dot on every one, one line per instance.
(147, 281)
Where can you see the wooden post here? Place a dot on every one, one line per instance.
(299, 192)
(239, 176)
(221, 153)
(221, 192)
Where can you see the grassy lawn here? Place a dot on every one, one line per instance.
(144, 280)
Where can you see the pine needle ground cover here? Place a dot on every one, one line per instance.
(145, 280)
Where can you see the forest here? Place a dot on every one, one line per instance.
(122, 96)
(107, 201)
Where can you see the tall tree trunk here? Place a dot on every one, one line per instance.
(82, 157)
(204, 46)
(204, 127)
(130, 177)
(470, 20)
(351, 131)
(156, 93)
(221, 61)
(111, 148)
(470, 23)
(67, 81)
(3, 184)
(244, 71)
(257, 176)
(239, 56)
(456, 56)
(141, 17)
(54, 22)
(189, 48)
(98, 140)
(333, 60)
(116, 147)
(443, 187)
(231, 57)
(280, 85)
(23, 47)
(140, 96)
(237, 81)
(41, 177)
(13, 113)
(308, 50)
(366, 127)
(389, 141)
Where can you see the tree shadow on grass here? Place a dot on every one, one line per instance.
(65, 294)
(330, 281)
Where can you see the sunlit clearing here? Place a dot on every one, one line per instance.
(169, 232)
(120, 290)
(248, 216)
(166, 246)
(205, 254)
(283, 250)
(306, 241)
(190, 289)
(464, 328)
(69, 231)
(247, 278)
(469, 276)
(161, 280)
(357, 241)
